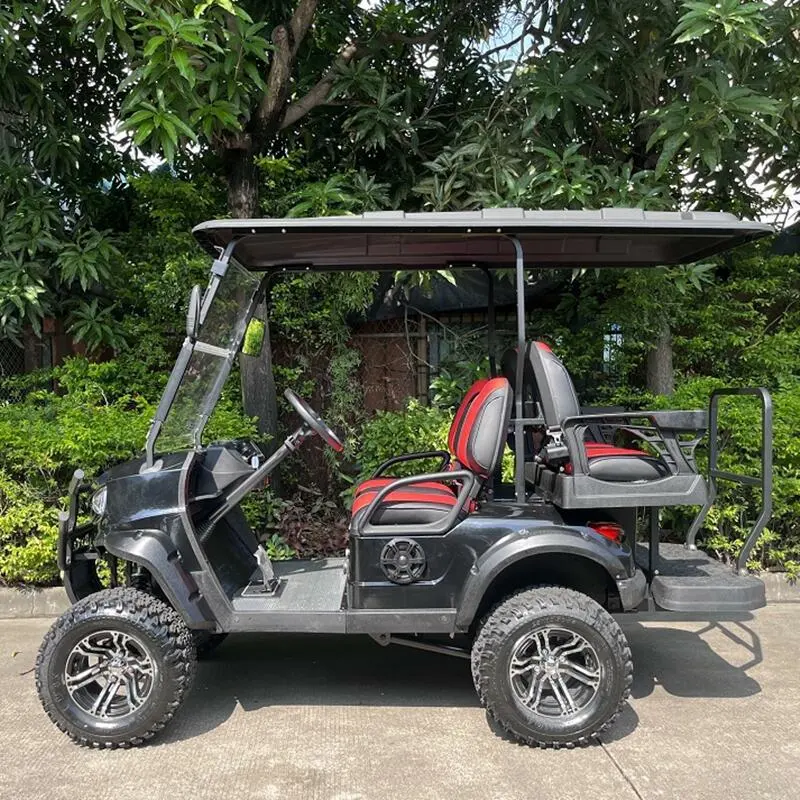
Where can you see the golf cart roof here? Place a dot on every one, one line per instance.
(608, 237)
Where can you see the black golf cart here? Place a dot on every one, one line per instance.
(522, 579)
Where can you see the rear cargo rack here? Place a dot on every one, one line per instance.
(715, 474)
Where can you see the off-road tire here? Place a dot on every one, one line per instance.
(540, 608)
(206, 643)
(169, 645)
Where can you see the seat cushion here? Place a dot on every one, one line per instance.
(410, 505)
(373, 484)
(620, 464)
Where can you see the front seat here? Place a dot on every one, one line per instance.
(475, 442)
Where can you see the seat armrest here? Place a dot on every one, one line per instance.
(442, 454)
(364, 526)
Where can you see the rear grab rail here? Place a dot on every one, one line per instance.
(764, 481)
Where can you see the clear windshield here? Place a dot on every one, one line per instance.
(226, 308)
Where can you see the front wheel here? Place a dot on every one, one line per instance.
(552, 667)
(113, 669)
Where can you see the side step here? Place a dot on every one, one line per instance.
(690, 580)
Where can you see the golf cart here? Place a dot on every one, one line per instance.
(523, 579)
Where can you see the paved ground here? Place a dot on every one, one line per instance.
(715, 713)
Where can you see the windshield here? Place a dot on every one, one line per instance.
(203, 369)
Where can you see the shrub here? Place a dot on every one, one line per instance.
(95, 417)
(28, 532)
(393, 433)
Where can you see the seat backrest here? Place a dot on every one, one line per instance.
(478, 433)
(461, 412)
(557, 394)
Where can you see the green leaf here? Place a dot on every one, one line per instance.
(181, 60)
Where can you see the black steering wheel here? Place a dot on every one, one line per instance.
(314, 420)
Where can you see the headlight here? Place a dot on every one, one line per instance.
(99, 501)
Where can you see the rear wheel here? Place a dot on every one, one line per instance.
(114, 668)
(552, 667)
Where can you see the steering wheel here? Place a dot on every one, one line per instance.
(314, 421)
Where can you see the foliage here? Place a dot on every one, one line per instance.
(57, 257)
(277, 549)
(253, 337)
(28, 533)
(93, 419)
(390, 433)
(736, 507)
(454, 377)
(312, 525)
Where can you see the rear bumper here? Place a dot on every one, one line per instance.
(632, 591)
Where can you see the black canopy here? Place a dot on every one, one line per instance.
(609, 237)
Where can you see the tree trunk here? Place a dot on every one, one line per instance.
(660, 377)
(242, 181)
(257, 380)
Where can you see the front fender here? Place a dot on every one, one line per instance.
(154, 550)
(524, 544)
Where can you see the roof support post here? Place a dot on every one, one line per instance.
(491, 343)
(519, 425)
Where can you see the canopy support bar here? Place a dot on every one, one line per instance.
(491, 337)
(519, 425)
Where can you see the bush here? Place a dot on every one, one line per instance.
(28, 533)
(95, 417)
(393, 433)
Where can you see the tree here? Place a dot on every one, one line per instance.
(237, 78)
(649, 103)
(58, 175)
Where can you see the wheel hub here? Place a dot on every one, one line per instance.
(109, 674)
(554, 672)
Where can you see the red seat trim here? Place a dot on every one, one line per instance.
(458, 419)
(461, 439)
(373, 484)
(440, 497)
(602, 450)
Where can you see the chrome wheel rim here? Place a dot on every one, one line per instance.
(554, 672)
(109, 674)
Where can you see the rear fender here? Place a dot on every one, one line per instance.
(530, 543)
(155, 551)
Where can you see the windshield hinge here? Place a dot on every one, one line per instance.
(220, 265)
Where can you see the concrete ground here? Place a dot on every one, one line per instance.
(715, 713)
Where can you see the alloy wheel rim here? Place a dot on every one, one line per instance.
(554, 672)
(109, 674)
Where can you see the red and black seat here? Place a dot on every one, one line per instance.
(475, 443)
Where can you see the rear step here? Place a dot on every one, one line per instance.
(690, 580)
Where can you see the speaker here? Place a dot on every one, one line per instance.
(403, 561)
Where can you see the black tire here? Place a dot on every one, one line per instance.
(589, 675)
(206, 643)
(150, 645)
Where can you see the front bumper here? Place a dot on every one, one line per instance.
(68, 531)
